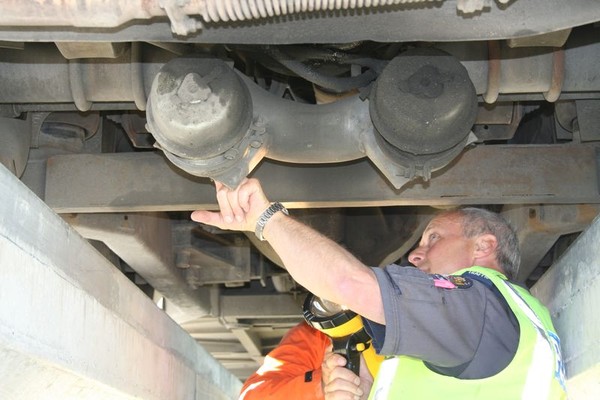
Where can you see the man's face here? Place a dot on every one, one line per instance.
(443, 249)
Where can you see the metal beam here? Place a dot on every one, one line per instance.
(72, 326)
(501, 174)
(251, 342)
(274, 306)
(539, 226)
(143, 241)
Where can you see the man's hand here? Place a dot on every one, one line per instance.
(339, 383)
(240, 208)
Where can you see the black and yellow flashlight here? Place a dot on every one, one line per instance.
(346, 330)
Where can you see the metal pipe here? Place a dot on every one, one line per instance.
(84, 13)
(137, 77)
(493, 86)
(77, 86)
(558, 75)
(309, 133)
(40, 74)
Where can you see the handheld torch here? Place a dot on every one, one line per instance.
(346, 330)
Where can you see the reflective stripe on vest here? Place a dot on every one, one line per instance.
(546, 353)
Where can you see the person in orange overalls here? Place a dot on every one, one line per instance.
(292, 370)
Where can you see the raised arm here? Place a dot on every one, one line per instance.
(314, 261)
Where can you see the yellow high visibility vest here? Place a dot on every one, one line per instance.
(535, 372)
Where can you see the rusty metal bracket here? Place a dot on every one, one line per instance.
(181, 23)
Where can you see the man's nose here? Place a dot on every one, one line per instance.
(416, 256)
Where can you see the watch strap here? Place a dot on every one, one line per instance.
(273, 209)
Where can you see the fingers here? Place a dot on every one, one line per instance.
(332, 360)
(339, 382)
(239, 200)
(343, 384)
(366, 379)
(224, 198)
(342, 377)
(207, 217)
(239, 208)
(247, 189)
(244, 204)
(327, 365)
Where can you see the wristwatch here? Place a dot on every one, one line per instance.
(273, 209)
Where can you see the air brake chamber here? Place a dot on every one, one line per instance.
(212, 121)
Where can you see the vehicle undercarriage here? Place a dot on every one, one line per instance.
(364, 118)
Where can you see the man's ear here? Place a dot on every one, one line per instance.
(485, 245)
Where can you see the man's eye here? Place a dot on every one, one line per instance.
(433, 236)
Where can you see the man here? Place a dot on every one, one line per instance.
(454, 325)
(292, 370)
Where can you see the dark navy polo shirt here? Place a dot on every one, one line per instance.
(468, 332)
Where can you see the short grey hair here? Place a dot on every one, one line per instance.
(478, 221)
